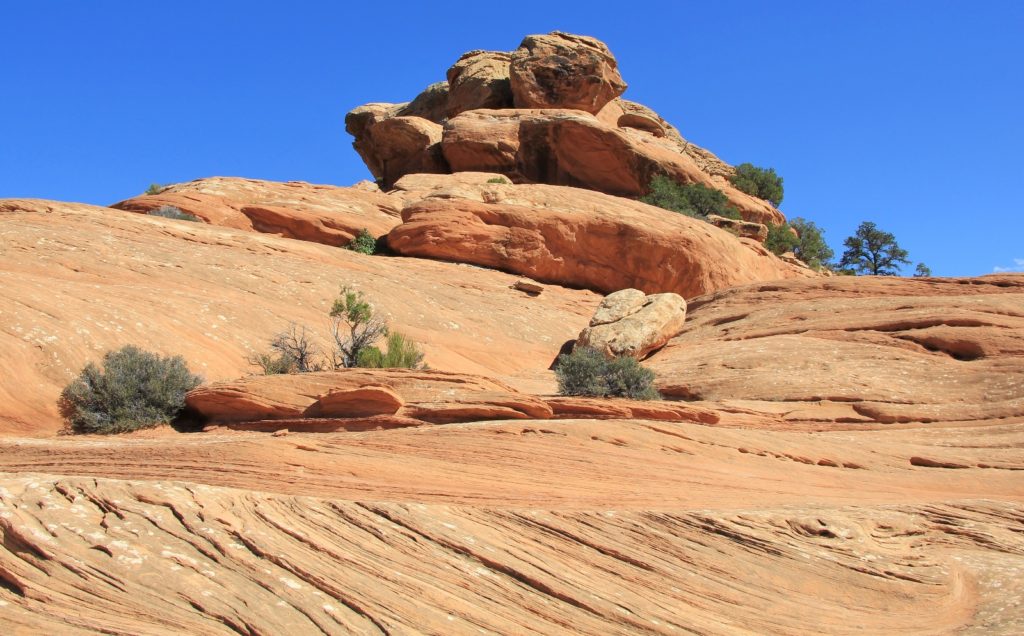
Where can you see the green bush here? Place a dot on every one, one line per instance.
(171, 212)
(588, 372)
(134, 389)
(154, 188)
(695, 200)
(780, 239)
(501, 180)
(401, 353)
(759, 182)
(811, 247)
(364, 243)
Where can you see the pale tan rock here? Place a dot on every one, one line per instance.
(479, 79)
(431, 104)
(561, 70)
(579, 238)
(746, 229)
(630, 324)
(528, 286)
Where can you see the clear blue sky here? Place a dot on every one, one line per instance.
(906, 113)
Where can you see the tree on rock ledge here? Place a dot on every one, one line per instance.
(873, 251)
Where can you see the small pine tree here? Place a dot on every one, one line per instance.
(364, 243)
(695, 200)
(780, 239)
(873, 251)
(353, 327)
(811, 247)
(759, 182)
(154, 188)
(922, 271)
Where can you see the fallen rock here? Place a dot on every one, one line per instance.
(578, 238)
(894, 350)
(561, 70)
(424, 395)
(479, 79)
(746, 229)
(628, 323)
(320, 213)
(528, 286)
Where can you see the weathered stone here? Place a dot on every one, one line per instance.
(479, 79)
(746, 229)
(629, 324)
(560, 70)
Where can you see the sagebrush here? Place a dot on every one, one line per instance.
(587, 372)
(131, 389)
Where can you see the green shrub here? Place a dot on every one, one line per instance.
(811, 247)
(759, 182)
(780, 239)
(695, 200)
(171, 212)
(154, 188)
(922, 271)
(588, 372)
(501, 180)
(401, 353)
(134, 389)
(364, 243)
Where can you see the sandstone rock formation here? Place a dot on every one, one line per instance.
(876, 349)
(746, 229)
(575, 238)
(561, 70)
(78, 280)
(548, 112)
(631, 323)
(323, 214)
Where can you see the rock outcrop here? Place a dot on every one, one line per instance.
(575, 238)
(746, 229)
(320, 213)
(880, 349)
(548, 112)
(631, 323)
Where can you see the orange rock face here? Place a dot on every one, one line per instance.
(579, 238)
(323, 214)
(561, 70)
(479, 79)
(881, 349)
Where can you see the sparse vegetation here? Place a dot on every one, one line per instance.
(873, 251)
(401, 353)
(695, 200)
(587, 372)
(154, 188)
(364, 243)
(759, 182)
(133, 389)
(171, 212)
(780, 238)
(811, 247)
(922, 271)
(501, 180)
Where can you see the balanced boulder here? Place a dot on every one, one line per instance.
(631, 323)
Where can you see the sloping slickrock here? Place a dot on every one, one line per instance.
(629, 323)
(578, 238)
(479, 79)
(426, 395)
(79, 280)
(893, 349)
(574, 148)
(320, 213)
(561, 70)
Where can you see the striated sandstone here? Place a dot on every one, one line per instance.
(746, 229)
(630, 323)
(577, 238)
(891, 349)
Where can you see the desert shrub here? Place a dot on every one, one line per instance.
(271, 364)
(154, 188)
(501, 180)
(364, 242)
(780, 239)
(696, 200)
(811, 247)
(401, 353)
(588, 372)
(354, 327)
(171, 212)
(922, 271)
(759, 182)
(133, 389)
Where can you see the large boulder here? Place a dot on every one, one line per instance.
(570, 147)
(479, 79)
(882, 349)
(631, 323)
(319, 213)
(576, 238)
(561, 70)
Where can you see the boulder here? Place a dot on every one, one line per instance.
(578, 238)
(560, 70)
(630, 323)
(570, 147)
(431, 104)
(424, 395)
(746, 229)
(479, 79)
(319, 213)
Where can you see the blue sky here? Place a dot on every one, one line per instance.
(905, 113)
